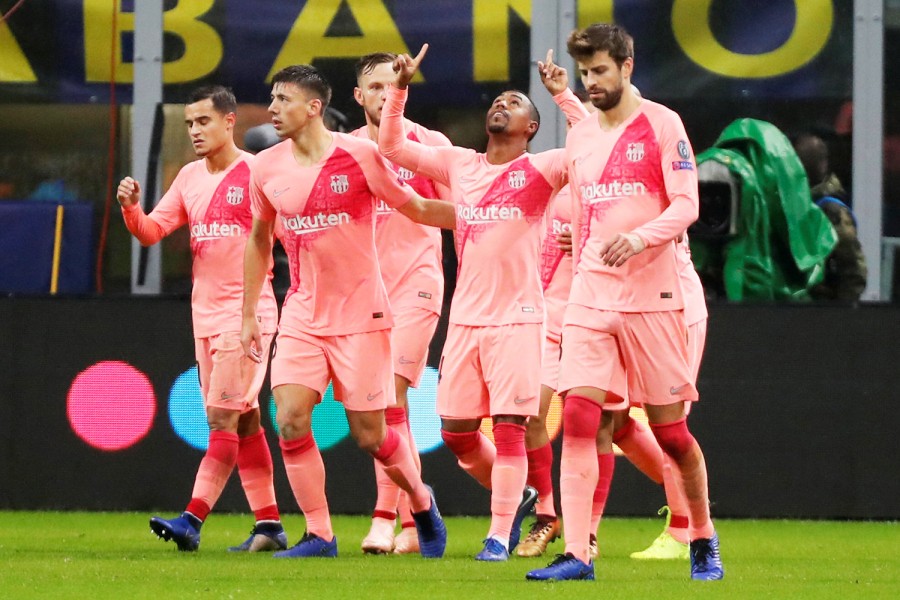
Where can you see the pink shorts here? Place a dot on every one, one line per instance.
(696, 343)
(358, 365)
(487, 371)
(229, 379)
(413, 329)
(550, 362)
(652, 347)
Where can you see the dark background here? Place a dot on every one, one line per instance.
(797, 419)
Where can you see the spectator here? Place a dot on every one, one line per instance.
(845, 268)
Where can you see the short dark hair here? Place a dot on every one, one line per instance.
(366, 63)
(584, 43)
(223, 99)
(535, 113)
(308, 78)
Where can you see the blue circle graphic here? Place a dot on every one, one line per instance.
(186, 410)
(423, 418)
(329, 421)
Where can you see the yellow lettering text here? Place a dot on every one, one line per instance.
(14, 67)
(490, 36)
(307, 40)
(203, 45)
(594, 11)
(812, 28)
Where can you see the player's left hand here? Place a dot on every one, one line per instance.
(554, 77)
(619, 249)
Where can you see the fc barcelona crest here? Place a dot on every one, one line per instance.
(516, 179)
(339, 184)
(235, 195)
(635, 151)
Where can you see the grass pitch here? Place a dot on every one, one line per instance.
(114, 555)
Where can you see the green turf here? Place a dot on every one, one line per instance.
(114, 555)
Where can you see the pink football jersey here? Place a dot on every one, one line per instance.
(556, 265)
(694, 298)
(639, 177)
(500, 219)
(327, 223)
(409, 254)
(217, 209)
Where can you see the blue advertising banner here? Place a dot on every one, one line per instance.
(69, 50)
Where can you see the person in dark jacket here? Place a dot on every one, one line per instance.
(845, 269)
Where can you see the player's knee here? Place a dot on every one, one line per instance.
(220, 419)
(368, 440)
(293, 423)
(462, 443)
(581, 417)
(674, 438)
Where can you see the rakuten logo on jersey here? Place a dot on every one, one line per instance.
(204, 232)
(601, 192)
(382, 208)
(488, 214)
(558, 227)
(303, 224)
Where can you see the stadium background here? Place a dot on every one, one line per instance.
(796, 420)
(98, 405)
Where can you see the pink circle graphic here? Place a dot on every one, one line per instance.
(111, 405)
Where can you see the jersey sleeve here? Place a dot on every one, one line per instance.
(383, 181)
(571, 106)
(554, 167)
(168, 215)
(680, 177)
(260, 206)
(431, 161)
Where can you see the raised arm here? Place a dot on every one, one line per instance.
(392, 141)
(147, 230)
(556, 79)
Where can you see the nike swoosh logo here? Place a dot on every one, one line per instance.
(518, 400)
(226, 396)
(280, 192)
(467, 180)
(371, 397)
(677, 390)
(406, 361)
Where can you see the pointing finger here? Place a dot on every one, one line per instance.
(420, 55)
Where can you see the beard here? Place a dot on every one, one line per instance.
(374, 116)
(610, 100)
(497, 127)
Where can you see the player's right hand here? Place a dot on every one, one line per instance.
(406, 67)
(129, 192)
(554, 77)
(564, 241)
(251, 340)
